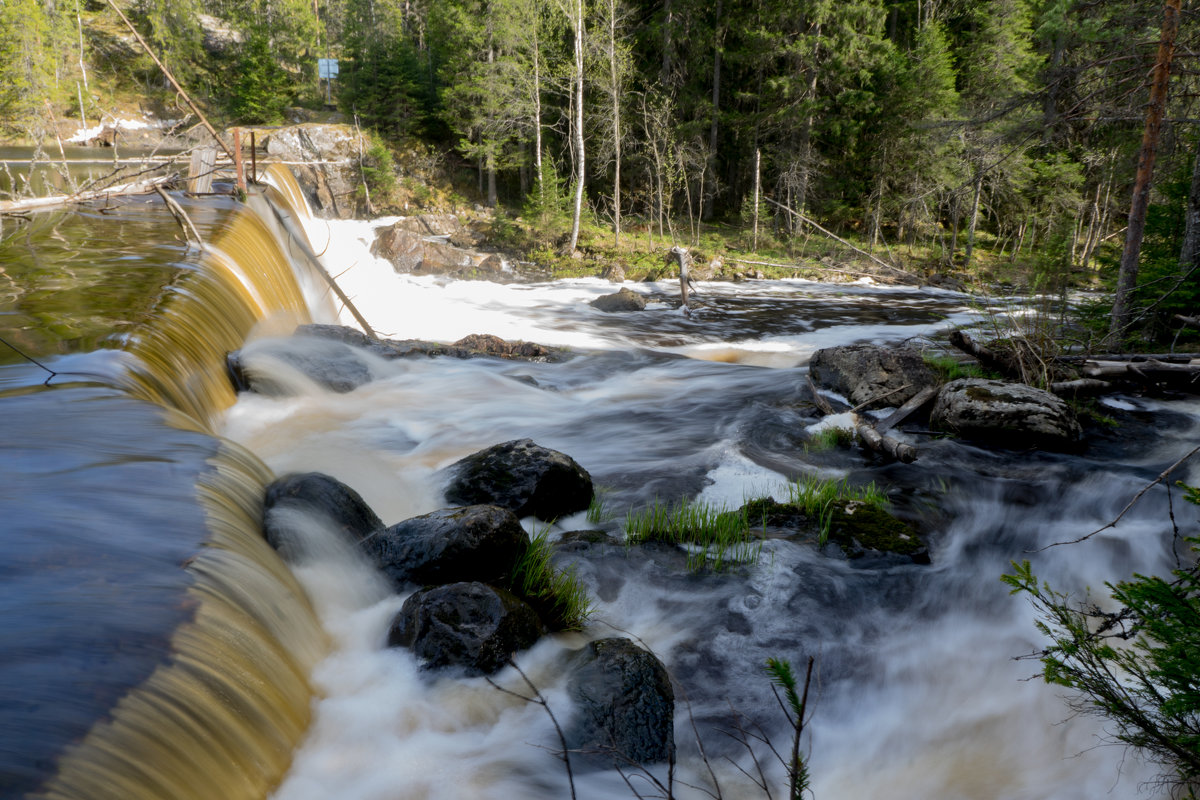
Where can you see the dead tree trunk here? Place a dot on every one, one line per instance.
(1122, 312)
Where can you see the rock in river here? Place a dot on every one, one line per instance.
(476, 543)
(525, 477)
(469, 625)
(869, 374)
(624, 705)
(1006, 414)
(313, 493)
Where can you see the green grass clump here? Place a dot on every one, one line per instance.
(598, 512)
(948, 368)
(829, 439)
(718, 536)
(821, 498)
(557, 595)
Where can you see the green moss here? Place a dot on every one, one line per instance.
(858, 527)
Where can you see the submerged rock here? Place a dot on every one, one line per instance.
(469, 625)
(525, 477)
(314, 493)
(1010, 415)
(333, 365)
(622, 300)
(474, 345)
(476, 543)
(624, 705)
(870, 375)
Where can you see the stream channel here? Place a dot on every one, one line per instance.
(916, 694)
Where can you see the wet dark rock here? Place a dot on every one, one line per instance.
(619, 301)
(525, 477)
(468, 625)
(317, 494)
(1011, 415)
(624, 706)
(476, 543)
(333, 365)
(871, 375)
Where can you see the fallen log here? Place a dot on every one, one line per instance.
(1082, 387)
(821, 402)
(915, 403)
(868, 436)
(35, 203)
(873, 440)
(1150, 371)
(988, 358)
(1169, 358)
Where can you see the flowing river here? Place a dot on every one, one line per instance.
(916, 692)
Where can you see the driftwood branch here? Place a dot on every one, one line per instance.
(294, 231)
(167, 73)
(818, 398)
(835, 237)
(1161, 477)
(886, 445)
(35, 203)
(184, 220)
(915, 403)
(984, 355)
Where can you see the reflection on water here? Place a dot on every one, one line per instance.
(73, 280)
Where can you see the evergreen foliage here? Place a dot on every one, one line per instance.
(1137, 666)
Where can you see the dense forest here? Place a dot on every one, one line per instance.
(945, 132)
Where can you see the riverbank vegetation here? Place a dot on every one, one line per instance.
(958, 141)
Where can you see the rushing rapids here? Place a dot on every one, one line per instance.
(917, 692)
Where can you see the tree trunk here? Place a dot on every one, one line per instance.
(1122, 312)
(537, 118)
(615, 94)
(577, 133)
(1189, 254)
(974, 219)
(668, 24)
(757, 187)
(711, 164)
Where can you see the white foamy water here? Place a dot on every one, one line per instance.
(917, 693)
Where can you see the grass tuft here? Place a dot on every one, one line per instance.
(715, 536)
(819, 498)
(557, 595)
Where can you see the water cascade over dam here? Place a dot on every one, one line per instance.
(198, 635)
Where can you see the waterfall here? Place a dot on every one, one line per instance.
(220, 714)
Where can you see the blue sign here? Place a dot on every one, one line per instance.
(327, 68)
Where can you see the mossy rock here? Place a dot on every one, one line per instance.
(860, 529)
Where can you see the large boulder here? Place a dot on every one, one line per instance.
(476, 543)
(870, 375)
(1007, 414)
(472, 626)
(325, 162)
(525, 477)
(622, 300)
(314, 494)
(624, 705)
(414, 248)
